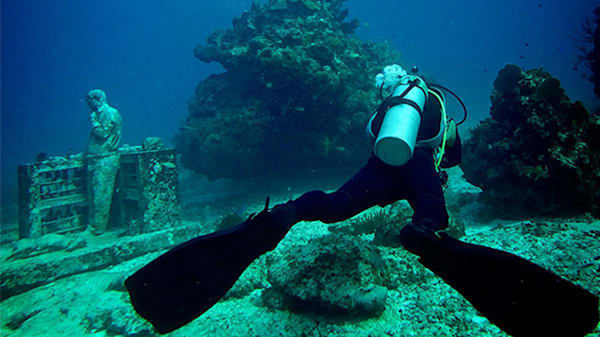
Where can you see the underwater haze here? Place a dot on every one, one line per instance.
(140, 53)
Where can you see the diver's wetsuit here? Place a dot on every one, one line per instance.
(378, 183)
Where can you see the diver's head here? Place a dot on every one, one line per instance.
(95, 99)
(388, 80)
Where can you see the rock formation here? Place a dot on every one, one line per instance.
(538, 153)
(294, 100)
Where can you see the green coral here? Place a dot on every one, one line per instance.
(286, 4)
(297, 86)
(538, 153)
(508, 78)
(550, 91)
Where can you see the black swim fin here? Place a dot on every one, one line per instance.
(189, 279)
(518, 296)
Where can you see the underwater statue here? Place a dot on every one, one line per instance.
(106, 124)
(101, 158)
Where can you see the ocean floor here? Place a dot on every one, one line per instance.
(94, 302)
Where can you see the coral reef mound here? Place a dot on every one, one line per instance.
(297, 87)
(588, 43)
(538, 153)
(593, 56)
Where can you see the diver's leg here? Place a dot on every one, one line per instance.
(424, 192)
(326, 207)
(369, 187)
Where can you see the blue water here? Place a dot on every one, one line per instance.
(140, 53)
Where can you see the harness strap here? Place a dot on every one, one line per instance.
(392, 101)
(441, 148)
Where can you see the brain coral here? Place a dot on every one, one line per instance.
(538, 153)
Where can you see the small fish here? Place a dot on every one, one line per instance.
(540, 5)
(342, 15)
(589, 262)
(521, 57)
(526, 44)
(168, 165)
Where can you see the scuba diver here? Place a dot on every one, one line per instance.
(413, 140)
(410, 130)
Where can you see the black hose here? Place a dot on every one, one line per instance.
(457, 98)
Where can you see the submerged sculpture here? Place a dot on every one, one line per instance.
(106, 188)
(102, 162)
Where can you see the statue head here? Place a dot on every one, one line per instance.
(95, 99)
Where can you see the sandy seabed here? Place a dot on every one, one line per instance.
(96, 304)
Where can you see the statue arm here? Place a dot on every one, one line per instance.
(107, 124)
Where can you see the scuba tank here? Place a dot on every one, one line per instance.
(396, 124)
